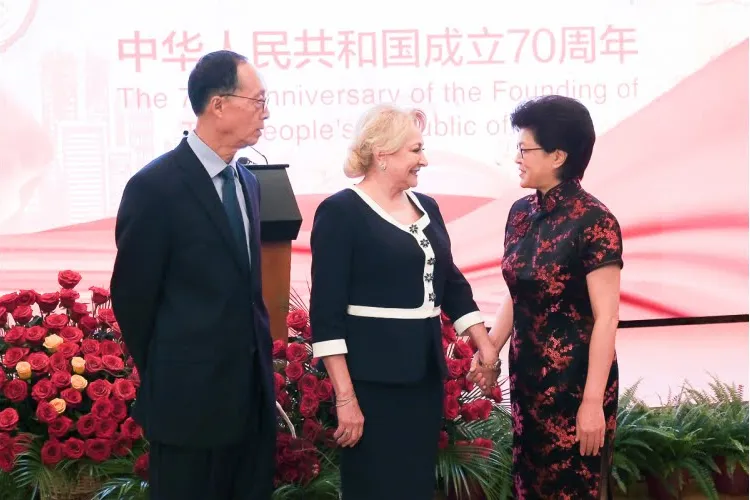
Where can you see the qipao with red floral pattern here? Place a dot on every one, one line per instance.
(551, 243)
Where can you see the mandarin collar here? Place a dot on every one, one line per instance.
(559, 193)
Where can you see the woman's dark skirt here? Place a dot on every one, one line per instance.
(395, 459)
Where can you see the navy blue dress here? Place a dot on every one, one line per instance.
(378, 288)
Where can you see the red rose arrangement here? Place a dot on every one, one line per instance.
(66, 379)
(306, 396)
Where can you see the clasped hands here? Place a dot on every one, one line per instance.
(485, 368)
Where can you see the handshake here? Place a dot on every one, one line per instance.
(485, 368)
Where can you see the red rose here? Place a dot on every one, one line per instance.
(106, 316)
(134, 376)
(13, 356)
(88, 323)
(60, 379)
(297, 319)
(8, 419)
(106, 428)
(123, 389)
(86, 425)
(462, 350)
(16, 390)
(308, 384)
(52, 452)
(297, 353)
(90, 346)
(449, 333)
(140, 467)
(455, 368)
(99, 295)
(93, 363)
(98, 450)
(116, 329)
(110, 348)
(39, 361)
(26, 298)
(78, 311)
(48, 301)
(452, 388)
(22, 314)
(35, 335)
(119, 409)
(450, 408)
(131, 429)
(312, 430)
(102, 408)
(7, 461)
(73, 448)
(121, 446)
(113, 363)
(278, 381)
(294, 371)
(324, 391)
(58, 362)
(68, 279)
(43, 390)
(8, 301)
(99, 389)
(443, 440)
(279, 349)
(68, 298)
(308, 407)
(71, 334)
(45, 412)
(486, 444)
(71, 397)
(60, 426)
(56, 321)
(3, 316)
(15, 336)
(68, 349)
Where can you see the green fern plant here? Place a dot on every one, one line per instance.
(729, 423)
(636, 438)
(686, 455)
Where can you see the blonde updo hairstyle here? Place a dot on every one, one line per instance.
(382, 129)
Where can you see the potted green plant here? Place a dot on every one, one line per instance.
(728, 427)
(636, 438)
(684, 458)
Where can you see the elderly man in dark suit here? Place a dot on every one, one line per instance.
(186, 290)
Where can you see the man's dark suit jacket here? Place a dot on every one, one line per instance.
(190, 307)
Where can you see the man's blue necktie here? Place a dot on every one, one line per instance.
(232, 208)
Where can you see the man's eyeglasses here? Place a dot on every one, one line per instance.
(262, 102)
(523, 150)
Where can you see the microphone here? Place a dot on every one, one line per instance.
(185, 133)
(261, 154)
(244, 161)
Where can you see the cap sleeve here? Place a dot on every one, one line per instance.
(601, 243)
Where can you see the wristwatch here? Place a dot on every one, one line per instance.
(494, 366)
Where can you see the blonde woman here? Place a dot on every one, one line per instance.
(382, 272)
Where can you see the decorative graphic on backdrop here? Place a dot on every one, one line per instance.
(15, 18)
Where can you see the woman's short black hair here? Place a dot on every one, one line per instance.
(214, 74)
(559, 122)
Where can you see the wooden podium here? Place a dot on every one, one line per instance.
(280, 221)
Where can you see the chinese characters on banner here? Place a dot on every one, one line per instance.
(392, 48)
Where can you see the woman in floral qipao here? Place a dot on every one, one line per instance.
(562, 262)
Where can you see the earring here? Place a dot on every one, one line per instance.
(382, 165)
